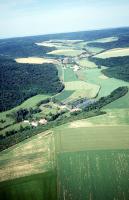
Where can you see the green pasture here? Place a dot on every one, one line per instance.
(69, 75)
(122, 103)
(64, 95)
(82, 89)
(93, 175)
(84, 62)
(94, 76)
(111, 118)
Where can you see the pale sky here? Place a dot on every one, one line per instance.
(36, 17)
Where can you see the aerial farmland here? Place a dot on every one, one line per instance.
(67, 135)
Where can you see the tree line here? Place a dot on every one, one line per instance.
(15, 136)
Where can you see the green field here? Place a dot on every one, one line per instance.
(86, 63)
(72, 138)
(80, 160)
(82, 89)
(111, 118)
(27, 170)
(93, 175)
(121, 103)
(64, 95)
(107, 85)
(69, 75)
(78, 88)
(34, 187)
(92, 161)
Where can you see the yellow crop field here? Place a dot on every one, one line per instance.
(117, 52)
(35, 60)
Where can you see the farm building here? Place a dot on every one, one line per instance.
(67, 61)
(35, 124)
(43, 121)
(76, 68)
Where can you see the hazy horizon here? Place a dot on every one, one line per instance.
(36, 17)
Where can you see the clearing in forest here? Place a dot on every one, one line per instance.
(66, 52)
(117, 52)
(36, 60)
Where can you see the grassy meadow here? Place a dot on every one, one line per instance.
(69, 74)
(64, 95)
(86, 63)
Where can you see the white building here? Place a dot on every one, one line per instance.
(35, 124)
(43, 121)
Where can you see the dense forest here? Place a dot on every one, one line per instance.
(118, 67)
(21, 81)
(122, 42)
(22, 48)
(25, 46)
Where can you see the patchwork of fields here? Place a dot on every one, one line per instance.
(27, 170)
(92, 161)
(82, 89)
(84, 159)
(107, 85)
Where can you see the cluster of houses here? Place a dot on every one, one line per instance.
(36, 123)
(72, 61)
